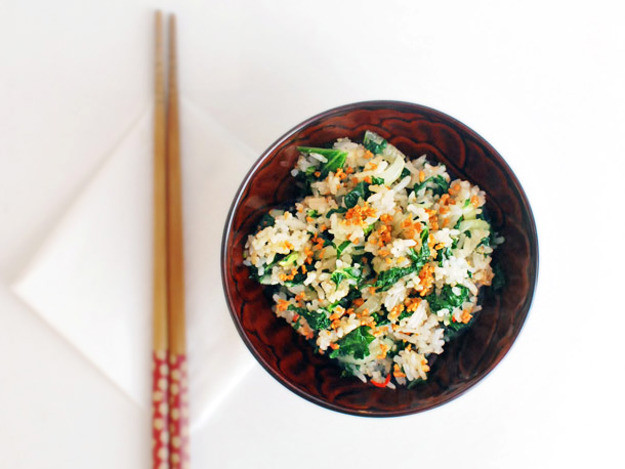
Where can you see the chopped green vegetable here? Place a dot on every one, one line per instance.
(297, 280)
(337, 277)
(379, 319)
(347, 370)
(456, 326)
(387, 278)
(360, 191)
(333, 164)
(308, 176)
(415, 383)
(341, 247)
(327, 238)
(404, 314)
(484, 215)
(346, 301)
(335, 158)
(475, 224)
(316, 320)
(362, 258)
(453, 329)
(405, 172)
(352, 272)
(489, 240)
(447, 299)
(265, 221)
(255, 275)
(336, 210)
(290, 259)
(327, 153)
(441, 185)
(356, 343)
(446, 253)
(346, 272)
(277, 258)
(373, 142)
(310, 170)
(423, 256)
(377, 181)
(266, 269)
(499, 280)
(313, 214)
(369, 229)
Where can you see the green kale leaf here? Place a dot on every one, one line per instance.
(297, 280)
(422, 257)
(335, 158)
(346, 272)
(341, 247)
(387, 278)
(360, 191)
(317, 320)
(447, 299)
(380, 319)
(441, 185)
(265, 221)
(290, 259)
(356, 343)
(336, 210)
(266, 270)
(415, 382)
(374, 143)
(404, 314)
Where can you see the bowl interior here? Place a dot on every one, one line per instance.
(415, 130)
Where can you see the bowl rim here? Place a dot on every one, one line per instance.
(397, 106)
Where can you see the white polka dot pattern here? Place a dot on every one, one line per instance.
(178, 401)
(160, 437)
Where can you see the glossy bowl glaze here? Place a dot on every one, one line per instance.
(415, 130)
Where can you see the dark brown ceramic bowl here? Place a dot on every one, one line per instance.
(415, 130)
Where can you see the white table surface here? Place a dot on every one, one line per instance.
(542, 81)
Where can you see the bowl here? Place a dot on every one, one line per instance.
(415, 130)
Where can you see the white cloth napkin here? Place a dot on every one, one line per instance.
(92, 278)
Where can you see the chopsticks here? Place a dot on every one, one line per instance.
(169, 399)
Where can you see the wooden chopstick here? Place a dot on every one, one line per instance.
(160, 416)
(178, 403)
(169, 399)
